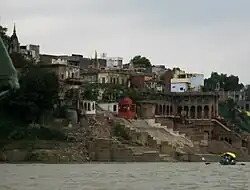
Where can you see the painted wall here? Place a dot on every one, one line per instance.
(179, 87)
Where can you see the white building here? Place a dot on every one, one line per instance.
(182, 82)
(31, 52)
(159, 70)
(89, 107)
(114, 62)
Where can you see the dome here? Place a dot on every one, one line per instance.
(126, 100)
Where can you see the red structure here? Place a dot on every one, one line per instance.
(127, 109)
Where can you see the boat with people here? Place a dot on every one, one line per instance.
(228, 158)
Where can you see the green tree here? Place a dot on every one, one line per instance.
(141, 61)
(91, 92)
(4, 36)
(38, 93)
(223, 82)
(19, 61)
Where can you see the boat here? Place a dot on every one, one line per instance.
(228, 158)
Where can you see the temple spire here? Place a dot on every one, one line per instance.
(14, 30)
(96, 61)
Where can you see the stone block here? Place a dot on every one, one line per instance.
(152, 142)
(150, 156)
(166, 148)
(150, 121)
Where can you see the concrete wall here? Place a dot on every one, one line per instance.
(146, 110)
(112, 107)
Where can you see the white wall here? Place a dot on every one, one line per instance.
(179, 87)
(59, 61)
(181, 84)
(109, 107)
(114, 62)
(197, 82)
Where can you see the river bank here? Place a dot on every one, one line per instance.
(59, 152)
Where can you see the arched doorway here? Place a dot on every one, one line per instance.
(206, 112)
(192, 112)
(212, 112)
(179, 110)
(171, 110)
(156, 109)
(167, 110)
(186, 111)
(199, 112)
(164, 110)
(160, 111)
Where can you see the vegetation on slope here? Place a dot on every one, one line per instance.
(237, 117)
(38, 93)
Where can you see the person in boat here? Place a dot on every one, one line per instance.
(229, 157)
(8, 73)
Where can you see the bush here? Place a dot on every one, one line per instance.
(120, 132)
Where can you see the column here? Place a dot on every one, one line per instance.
(202, 112)
(196, 112)
(189, 109)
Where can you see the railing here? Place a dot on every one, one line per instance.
(222, 125)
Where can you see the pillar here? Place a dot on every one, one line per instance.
(202, 112)
(210, 111)
(196, 112)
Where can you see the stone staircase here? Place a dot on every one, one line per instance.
(161, 140)
(108, 150)
(161, 134)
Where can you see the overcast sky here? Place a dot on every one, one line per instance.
(195, 35)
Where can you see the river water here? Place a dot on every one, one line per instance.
(131, 176)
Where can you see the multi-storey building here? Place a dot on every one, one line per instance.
(182, 82)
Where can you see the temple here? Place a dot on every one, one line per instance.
(127, 109)
(14, 45)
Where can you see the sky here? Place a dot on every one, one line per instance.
(198, 36)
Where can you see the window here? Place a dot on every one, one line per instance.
(124, 108)
(114, 108)
(181, 88)
(173, 86)
(62, 76)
